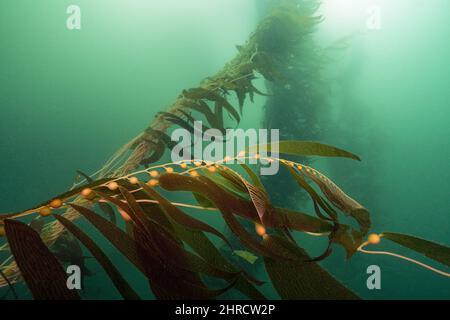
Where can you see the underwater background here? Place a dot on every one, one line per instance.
(70, 98)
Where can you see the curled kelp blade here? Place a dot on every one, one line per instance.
(317, 200)
(303, 148)
(295, 280)
(41, 270)
(432, 250)
(120, 283)
(259, 196)
(340, 199)
(227, 207)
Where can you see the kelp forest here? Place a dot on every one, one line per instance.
(159, 216)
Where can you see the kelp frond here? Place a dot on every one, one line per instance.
(159, 230)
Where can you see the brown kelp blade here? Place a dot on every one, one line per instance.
(432, 250)
(206, 249)
(126, 245)
(259, 196)
(120, 283)
(182, 218)
(165, 267)
(117, 237)
(165, 263)
(41, 270)
(226, 206)
(108, 210)
(303, 148)
(303, 222)
(313, 194)
(295, 280)
(340, 199)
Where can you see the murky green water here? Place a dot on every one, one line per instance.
(70, 98)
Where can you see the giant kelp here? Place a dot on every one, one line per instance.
(161, 232)
(173, 249)
(211, 101)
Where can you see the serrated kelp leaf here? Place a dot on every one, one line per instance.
(339, 198)
(296, 280)
(304, 148)
(247, 256)
(313, 194)
(432, 250)
(41, 270)
(253, 176)
(235, 182)
(120, 283)
(108, 210)
(259, 196)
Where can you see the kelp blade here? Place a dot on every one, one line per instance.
(295, 280)
(437, 252)
(117, 237)
(304, 148)
(119, 282)
(41, 270)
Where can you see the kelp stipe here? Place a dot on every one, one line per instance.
(434, 251)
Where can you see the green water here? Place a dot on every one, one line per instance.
(70, 98)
